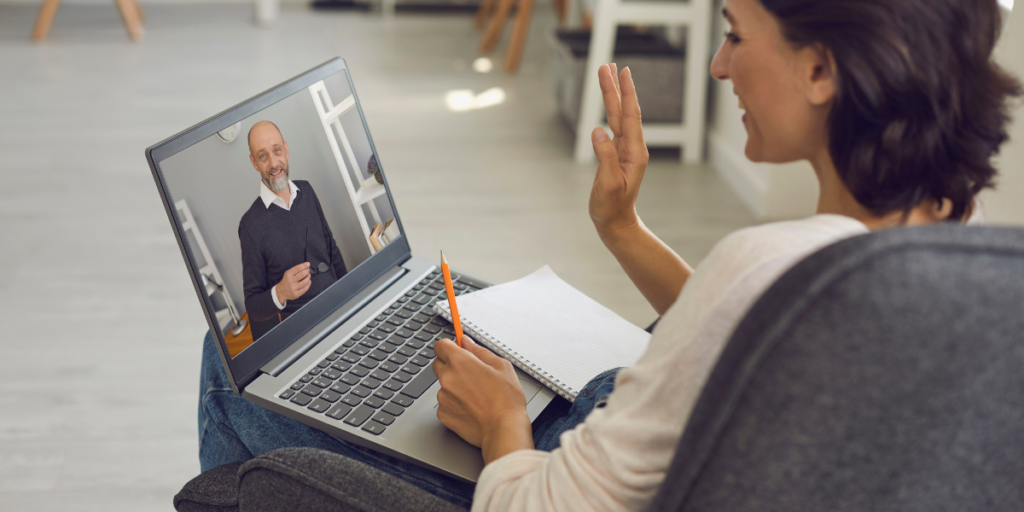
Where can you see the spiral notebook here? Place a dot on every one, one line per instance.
(549, 330)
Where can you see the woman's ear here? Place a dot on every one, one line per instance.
(819, 75)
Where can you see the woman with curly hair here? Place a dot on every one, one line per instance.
(899, 108)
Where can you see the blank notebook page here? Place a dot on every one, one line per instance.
(553, 326)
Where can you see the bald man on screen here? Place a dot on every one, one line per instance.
(289, 255)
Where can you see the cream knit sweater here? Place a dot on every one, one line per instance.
(617, 458)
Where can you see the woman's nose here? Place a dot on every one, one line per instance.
(720, 65)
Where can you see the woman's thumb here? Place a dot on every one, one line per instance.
(604, 148)
(477, 350)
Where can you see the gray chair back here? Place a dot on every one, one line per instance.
(885, 372)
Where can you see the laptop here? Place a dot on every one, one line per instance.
(344, 344)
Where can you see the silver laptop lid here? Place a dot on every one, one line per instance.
(286, 178)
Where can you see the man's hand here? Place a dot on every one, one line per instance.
(481, 399)
(622, 161)
(294, 283)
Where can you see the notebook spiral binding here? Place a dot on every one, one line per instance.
(502, 350)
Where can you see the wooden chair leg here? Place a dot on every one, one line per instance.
(45, 19)
(561, 9)
(483, 12)
(514, 54)
(131, 18)
(497, 25)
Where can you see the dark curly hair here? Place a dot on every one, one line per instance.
(920, 106)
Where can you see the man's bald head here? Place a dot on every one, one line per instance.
(261, 128)
(268, 153)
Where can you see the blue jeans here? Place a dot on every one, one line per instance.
(233, 429)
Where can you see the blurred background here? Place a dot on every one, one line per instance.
(474, 110)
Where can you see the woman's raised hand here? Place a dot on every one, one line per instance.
(622, 160)
(656, 270)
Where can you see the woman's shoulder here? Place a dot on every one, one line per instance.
(757, 244)
(745, 262)
(815, 226)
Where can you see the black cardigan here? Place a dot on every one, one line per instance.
(275, 240)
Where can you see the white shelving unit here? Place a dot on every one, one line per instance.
(208, 268)
(695, 15)
(361, 191)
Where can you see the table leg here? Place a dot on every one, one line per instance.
(519, 31)
(561, 9)
(130, 16)
(45, 19)
(483, 12)
(497, 25)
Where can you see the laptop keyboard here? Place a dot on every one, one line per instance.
(371, 378)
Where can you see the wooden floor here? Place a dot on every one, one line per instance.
(100, 327)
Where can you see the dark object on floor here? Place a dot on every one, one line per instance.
(339, 5)
(881, 373)
(428, 7)
(406, 6)
(658, 67)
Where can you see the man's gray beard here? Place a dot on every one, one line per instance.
(279, 183)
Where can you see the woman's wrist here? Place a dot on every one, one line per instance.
(621, 229)
(511, 433)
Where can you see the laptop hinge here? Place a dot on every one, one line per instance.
(309, 340)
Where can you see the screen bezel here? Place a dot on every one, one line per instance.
(245, 367)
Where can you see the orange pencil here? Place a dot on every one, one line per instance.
(451, 300)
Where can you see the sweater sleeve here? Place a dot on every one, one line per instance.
(332, 247)
(258, 299)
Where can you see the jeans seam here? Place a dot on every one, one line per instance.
(206, 409)
(596, 383)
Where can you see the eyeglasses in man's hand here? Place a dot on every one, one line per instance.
(314, 268)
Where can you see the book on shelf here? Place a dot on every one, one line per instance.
(375, 240)
(390, 232)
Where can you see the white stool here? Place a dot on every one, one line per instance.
(695, 15)
(265, 11)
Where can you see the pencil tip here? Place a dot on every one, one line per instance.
(443, 261)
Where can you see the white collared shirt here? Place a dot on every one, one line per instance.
(269, 197)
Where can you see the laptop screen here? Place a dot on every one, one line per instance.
(280, 205)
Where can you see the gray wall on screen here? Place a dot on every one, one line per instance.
(219, 183)
(353, 126)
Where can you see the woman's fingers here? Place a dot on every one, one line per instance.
(622, 161)
(482, 353)
(632, 130)
(610, 93)
(615, 76)
(607, 155)
(444, 349)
